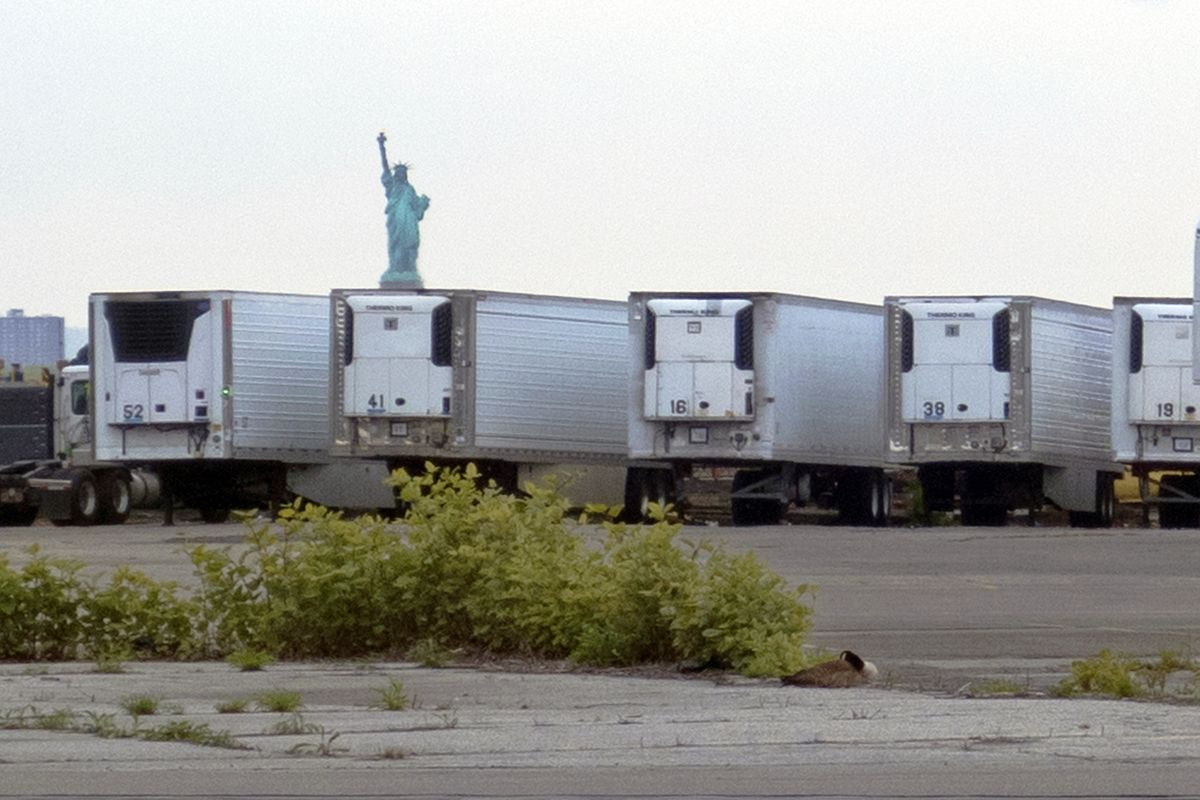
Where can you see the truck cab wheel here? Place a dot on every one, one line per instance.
(85, 499)
(115, 499)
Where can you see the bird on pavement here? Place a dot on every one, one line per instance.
(847, 670)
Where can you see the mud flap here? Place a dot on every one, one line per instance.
(1070, 488)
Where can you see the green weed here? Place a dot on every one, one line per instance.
(191, 732)
(235, 706)
(1104, 674)
(429, 653)
(999, 686)
(103, 725)
(140, 706)
(58, 720)
(249, 659)
(393, 697)
(280, 700)
(323, 747)
(292, 726)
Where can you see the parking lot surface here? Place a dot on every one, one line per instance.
(942, 611)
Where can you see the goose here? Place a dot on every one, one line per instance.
(848, 669)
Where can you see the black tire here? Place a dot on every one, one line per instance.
(1178, 515)
(984, 515)
(747, 511)
(85, 499)
(214, 515)
(860, 498)
(115, 498)
(14, 516)
(937, 488)
(882, 514)
(646, 486)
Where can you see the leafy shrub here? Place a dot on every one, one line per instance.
(471, 568)
(48, 611)
(137, 614)
(39, 608)
(315, 584)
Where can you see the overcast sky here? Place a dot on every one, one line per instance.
(841, 149)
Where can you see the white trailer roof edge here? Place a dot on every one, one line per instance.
(463, 292)
(986, 298)
(780, 297)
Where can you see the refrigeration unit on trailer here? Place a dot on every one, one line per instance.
(224, 394)
(786, 389)
(1003, 402)
(1156, 406)
(522, 385)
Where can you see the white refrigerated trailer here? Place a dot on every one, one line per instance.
(786, 389)
(1004, 402)
(521, 385)
(1156, 406)
(224, 395)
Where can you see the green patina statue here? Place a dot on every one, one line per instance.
(404, 210)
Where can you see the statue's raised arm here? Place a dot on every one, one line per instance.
(387, 171)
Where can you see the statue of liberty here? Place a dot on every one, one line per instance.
(404, 210)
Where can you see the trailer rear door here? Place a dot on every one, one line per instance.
(398, 356)
(1160, 361)
(162, 360)
(699, 359)
(956, 361)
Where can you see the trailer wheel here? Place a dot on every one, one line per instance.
(864, 497)
(214, 515)
(984, 515)
(749, 511)
(643, 487)
(1179, 515)
(85, 499)
(883, 494)
(115, 498)
(14, 516)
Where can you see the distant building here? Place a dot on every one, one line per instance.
(30, 340)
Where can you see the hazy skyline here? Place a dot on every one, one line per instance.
(847, 150)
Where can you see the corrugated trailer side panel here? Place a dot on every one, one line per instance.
(1071, 380)
(280, 376)
(825, 375)
(550, 374)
